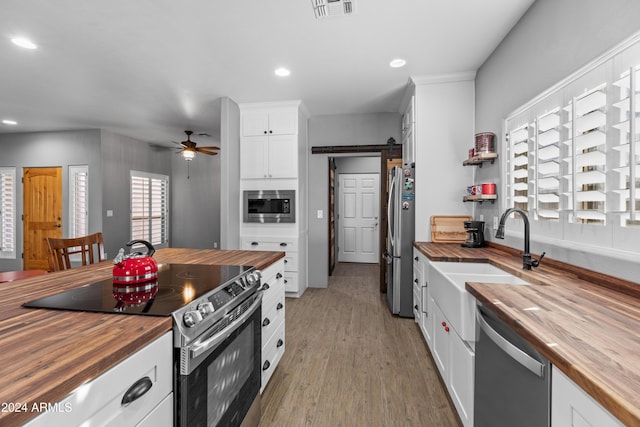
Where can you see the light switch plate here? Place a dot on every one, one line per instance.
(320, 214)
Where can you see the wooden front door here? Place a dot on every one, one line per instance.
(42, 214)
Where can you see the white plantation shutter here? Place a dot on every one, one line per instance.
(626, 145)
(149, 207)
(587, 159)
(571, 156)
(547, 166)
(518, 167)
(7, 212)
(79, 200)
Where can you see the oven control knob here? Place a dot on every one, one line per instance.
(192, 318)
(253, 278)
(205, 309)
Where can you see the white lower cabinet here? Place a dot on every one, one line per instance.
(573, 407)
(99, 402)
(293, 266)
(456, 362)
(273, 316)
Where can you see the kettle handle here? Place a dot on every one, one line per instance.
(150, 249)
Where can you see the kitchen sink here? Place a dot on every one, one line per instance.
(447, 286)
(469, 268)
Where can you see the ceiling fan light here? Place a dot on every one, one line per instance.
(188, 154)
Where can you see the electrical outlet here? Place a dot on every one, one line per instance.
(215, 245)
(495, 223)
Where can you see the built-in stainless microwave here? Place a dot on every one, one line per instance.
(269, 206)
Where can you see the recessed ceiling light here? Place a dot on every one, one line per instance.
(23, 42)
(397, 63)
(9, 122)
(282, 72)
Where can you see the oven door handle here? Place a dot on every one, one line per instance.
(199, 348)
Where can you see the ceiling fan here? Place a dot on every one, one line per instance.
(189, 149)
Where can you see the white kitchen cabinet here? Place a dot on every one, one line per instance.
(269, 120)
(571, 406)
(422, 297)
(271, 160)
(292, 249)
(455, 361)
(417, 281)
(267, 157)
(408, 134)
(273, 319)
(99, 402)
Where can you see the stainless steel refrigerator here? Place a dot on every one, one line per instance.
(400, 236)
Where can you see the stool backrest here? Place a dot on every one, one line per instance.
(61, 251)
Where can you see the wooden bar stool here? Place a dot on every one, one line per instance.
(61, 251)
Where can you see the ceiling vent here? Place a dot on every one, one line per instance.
(327, 8)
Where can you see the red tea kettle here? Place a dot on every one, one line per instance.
(135, 267)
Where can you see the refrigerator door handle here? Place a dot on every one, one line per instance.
(389, 207)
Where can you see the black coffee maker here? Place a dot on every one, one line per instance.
(475, 234)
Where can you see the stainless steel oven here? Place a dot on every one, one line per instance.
(269, 206)
(219, 381)
(218, 354)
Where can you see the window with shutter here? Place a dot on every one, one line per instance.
(626, 145)
(572, 155)
(7, 212)
(149, 208)
(78, 201)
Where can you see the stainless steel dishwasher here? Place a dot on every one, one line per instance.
(512, 380)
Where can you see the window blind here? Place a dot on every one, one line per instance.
(587, 160)
(79, 200)
(518, 166)
(7, 212)
(149, 207)
(626, 145)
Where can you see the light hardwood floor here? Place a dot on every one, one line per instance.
(349, 362)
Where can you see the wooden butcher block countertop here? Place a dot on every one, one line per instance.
(46, 354)
(586, 323)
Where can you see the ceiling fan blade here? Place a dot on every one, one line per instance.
(210, 153)
(209, 148)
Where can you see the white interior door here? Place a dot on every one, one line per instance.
(359, 203)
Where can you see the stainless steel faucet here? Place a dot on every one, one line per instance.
(527, 260)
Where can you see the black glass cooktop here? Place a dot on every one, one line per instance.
(176, 286)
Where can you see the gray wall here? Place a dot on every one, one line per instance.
(558, 37)
(53, 149)
(230, 174)
(350, 129)
(195, 202)
(120, 155)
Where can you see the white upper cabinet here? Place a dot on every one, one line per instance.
(262, 122)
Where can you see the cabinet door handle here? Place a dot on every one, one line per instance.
(136, 391)
(416, 258)
(266, 321)
(283, 244)
(265, 287)
(266, 365)
(279, 343)
(265, 132)
(254, 243)
(270, 131)
(279, 306)
(278, 276)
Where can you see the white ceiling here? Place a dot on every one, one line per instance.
(150, 69)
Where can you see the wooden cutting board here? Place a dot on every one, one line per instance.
(448, 228)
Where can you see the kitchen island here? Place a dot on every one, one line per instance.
(46, 354)
(584, 322)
